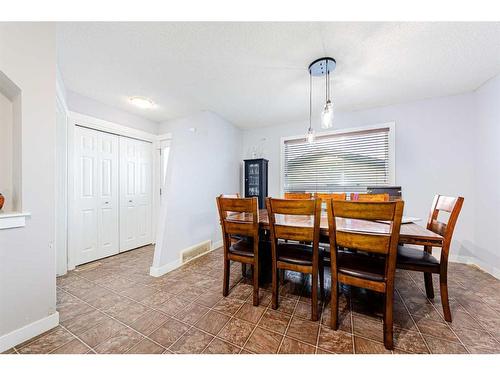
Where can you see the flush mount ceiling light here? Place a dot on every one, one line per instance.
(142, 102)
(319, 68)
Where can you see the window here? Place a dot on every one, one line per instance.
(340, 161)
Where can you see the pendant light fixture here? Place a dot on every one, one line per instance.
(310, 131)
(318, 68)
(327, 114)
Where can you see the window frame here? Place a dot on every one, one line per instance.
(392, 147)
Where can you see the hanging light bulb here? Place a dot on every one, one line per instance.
(310, 131)
(310, 135)
(327, 116)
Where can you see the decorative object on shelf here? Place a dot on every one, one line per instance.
(319, 68)
(2, 201)
(257, 151)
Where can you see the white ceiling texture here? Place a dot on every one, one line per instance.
(255, 74)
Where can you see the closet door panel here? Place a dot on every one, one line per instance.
(96, 194)
(135, 188)
(86, 195)
(108, 195)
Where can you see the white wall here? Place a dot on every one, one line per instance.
(434, 153)
(487, 177)
(27, 256)
(202, 164)
(87, 106)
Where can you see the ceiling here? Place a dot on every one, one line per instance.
(255, 74)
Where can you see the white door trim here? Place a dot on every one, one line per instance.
(156, 181)
(61, 243)
(110, 127)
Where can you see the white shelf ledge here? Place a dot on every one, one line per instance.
(13, 219)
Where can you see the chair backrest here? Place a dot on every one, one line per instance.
(451, 205)
(291, 195)
(370, 197)
(238, 216)
(326, 196)
(294, 219)
(379, 243)
(236, 195)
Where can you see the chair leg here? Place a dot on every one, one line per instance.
(243, 269)
(429, 288)
(255, 274)
(225, 285)
(281, 273)
(275, 287)
(314, 297)
(334, 306)
(322, 281)
(443, 285)
(388, 320)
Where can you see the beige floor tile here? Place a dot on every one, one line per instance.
(169, 332)
(212, 322)
(218, 346)
(75, 346)
(48, 342)
(262, 341)
(146, 346)
(236, 332)
(193, 341)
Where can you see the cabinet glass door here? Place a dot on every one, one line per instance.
(253, 178)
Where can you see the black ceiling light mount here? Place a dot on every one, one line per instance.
(319, 68)
(322, 66)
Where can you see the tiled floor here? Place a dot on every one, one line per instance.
(114, 306)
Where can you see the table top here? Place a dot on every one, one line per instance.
(410, 233)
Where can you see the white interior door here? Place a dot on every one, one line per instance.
(135, 193)
(96, 188)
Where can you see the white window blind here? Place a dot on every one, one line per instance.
(340, 162)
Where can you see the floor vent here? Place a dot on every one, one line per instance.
(195, 251)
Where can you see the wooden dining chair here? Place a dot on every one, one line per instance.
(415, 259)
(239, 219)
(361, 268)
(298, 221)
(370, 197)
(236, 238)
(291, 195)
(326, 196)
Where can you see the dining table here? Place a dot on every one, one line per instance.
(410, 233)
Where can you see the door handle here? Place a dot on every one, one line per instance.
(130, 201)
(106, 202)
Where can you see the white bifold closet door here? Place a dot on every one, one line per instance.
(135, 193)
(96, 192)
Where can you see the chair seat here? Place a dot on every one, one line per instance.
(360, 265)
(411, 257)
(296, 253)
(243, 247)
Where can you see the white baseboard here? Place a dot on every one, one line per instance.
(22, 334)
(492, 270)
(166, 268)
(216, 245)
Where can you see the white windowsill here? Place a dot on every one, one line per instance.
(13, 219)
